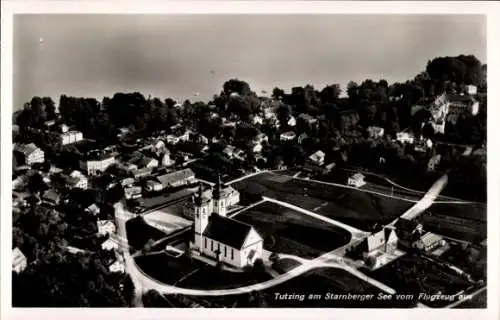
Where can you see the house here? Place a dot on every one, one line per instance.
(166, 161)
(147, 162)
(308, 118)
(256, 148)
(51, 197)
(240, 154)
(375, 132)
(75, 180)
(153, 186)
(109, 245)
(139, 173)
(122, 132)
(201, 139)
(357, 180)
(105, 227)
(19, 261)
(221, 238)
(217, 200)
(292, 121)
(93, 209)
(133, 192)
(70, 137)
(261, 138)
(177, 178)
(470, 90)
(97, 163)
(117, 267)
(172, 139)
(317, 158)
(257, 120)
(29, 153)
(287, 136)
(126, 182)
(229, 151)
(384, 240)
(405, 137)
(428, 242)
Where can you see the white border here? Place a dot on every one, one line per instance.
(491, 9)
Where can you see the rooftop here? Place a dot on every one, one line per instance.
(227, 231)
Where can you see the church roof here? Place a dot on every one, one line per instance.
(227, 231)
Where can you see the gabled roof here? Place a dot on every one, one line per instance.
(175, 176)
(26, 149)
(227, 231)
(17, 255)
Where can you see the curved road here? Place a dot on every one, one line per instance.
(142, 281)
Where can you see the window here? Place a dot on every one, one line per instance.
(232, 253)
(212, 246)
(206, 243)
(225, 251)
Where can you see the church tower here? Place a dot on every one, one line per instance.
(201, 207)
(220, 205)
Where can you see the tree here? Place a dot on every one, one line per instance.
(330, 93)
(36, 184)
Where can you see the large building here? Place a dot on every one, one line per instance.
(94, 165)
(219, 237)
(29, 153)
(70, 137)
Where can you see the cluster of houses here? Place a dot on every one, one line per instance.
(383, 245)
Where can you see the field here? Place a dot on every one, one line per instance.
(287, 231)
(193, 274)
(412, 274)
(459, 221)
(166, 220)
(354, 207)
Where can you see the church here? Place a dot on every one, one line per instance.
(218, 236)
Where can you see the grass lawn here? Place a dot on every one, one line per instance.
(454, 227)
(165, 268)
(284, 265)
(287, 231)
(354, 207)
(412, 274)
(209, 278)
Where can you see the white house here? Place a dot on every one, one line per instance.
(30, 153)
(229, 151)
(357, 180)
(70, 137)
(261, 138)
(317, 158)
(117, 267)
(93, 209)
(177, 178)
(471, 89)
(292, 121)
(100, 163)
(256, 148)
(257, 120)
(222, 238)
(375, 132)
(405, 137)
(19, 261)
(172, 139)
(287, 136)
(166, 161)
(133, 192)
(105, 227)
(109, 245)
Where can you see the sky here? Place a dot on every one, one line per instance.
(181, 56)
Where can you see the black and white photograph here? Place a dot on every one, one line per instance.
(247, 161)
